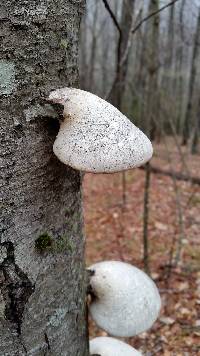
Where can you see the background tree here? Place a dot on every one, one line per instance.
(192, 82)
(118, 88)
(150, 110)
(42, 278)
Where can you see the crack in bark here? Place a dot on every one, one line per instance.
(16, 288)
(24, 347)
(47, 341)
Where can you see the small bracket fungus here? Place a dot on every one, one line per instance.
(125, 300)
(108, 346)
(95, 136)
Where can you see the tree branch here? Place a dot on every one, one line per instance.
(146, 18)
(112, 15)
(122, 58)
(116, 23)
(126, 52)
(177, 175)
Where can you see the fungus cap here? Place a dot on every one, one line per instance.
(95, 136)
(126, 301)
(108, 346)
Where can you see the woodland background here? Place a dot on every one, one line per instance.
(149, 67)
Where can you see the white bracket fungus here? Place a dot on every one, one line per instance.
(107, 346)
(126, 301)
(95, 136)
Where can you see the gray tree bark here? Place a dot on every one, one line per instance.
(92, 59)
(116, 94)
(42, 278)
(151, 95)
(179, 68)
(192, 81)
(151, 101)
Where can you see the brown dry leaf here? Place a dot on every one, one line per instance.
(143, 335)
(167, 320)
(161, 226)
(198, 287)
(167, 353)
(197, 323)
(185, 311)
(103, 333)
(177, 306)
(189, 341)
(196, 333)
(183, 286)
(154, 275)
(164, 339)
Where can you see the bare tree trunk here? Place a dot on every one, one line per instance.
(83, 62)
(117, 91)
(179, 69)
(153, 69)
(196, 132)
(151, 108)
(93, 48)
(104, 64)
(167, 78)
(146, 218)
(42, 277)
(188, 115)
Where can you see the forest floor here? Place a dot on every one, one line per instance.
(114, 231)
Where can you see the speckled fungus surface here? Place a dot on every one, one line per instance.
(126, 301)
(107, 346)
(95, 136)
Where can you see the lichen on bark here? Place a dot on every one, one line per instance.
(42, 295)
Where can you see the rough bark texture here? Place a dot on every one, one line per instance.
(42, 278)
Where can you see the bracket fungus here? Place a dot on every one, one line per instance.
(108, 346)
(125, 301)
(95, 136)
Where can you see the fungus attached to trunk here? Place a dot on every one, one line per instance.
(95, 136)
(108, 346)
(125, 301)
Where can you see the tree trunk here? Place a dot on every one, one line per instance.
(83, 60)
(196, 131)
(117, 91)
(42, 278)
(93, 48)
(167, 82)
(150, 110)
(152, 59)
(195, 55)
(179, 68)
